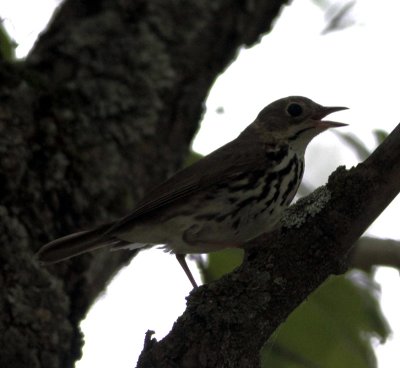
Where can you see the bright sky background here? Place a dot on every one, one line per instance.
(357, 67)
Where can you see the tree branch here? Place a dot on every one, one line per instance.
(227, 322)
(370, 252)
(103, 108)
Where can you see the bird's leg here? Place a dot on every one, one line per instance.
(182, 262)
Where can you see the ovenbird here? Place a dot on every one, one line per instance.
(225, 199)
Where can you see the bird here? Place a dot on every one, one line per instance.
(223, 200)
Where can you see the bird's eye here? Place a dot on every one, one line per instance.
(294, 110)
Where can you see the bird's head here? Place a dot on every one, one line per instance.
(295, 119)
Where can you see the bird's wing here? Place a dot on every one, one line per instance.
(213, 169)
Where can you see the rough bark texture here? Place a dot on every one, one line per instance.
(104, 107)
(227, 322)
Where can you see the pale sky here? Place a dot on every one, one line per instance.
(356, 67)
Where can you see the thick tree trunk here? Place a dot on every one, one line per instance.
(104, 107)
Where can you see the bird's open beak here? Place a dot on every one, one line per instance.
(324, 111)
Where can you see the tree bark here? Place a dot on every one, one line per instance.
(104, 107)
(227, 322)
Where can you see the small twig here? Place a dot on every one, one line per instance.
(370, 252)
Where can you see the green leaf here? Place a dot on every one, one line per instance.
(222, 262)
(358, 146)
(379, 135)
(333, 328)
(192, 158)
(7, 45)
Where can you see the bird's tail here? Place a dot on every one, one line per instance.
(75, 244)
